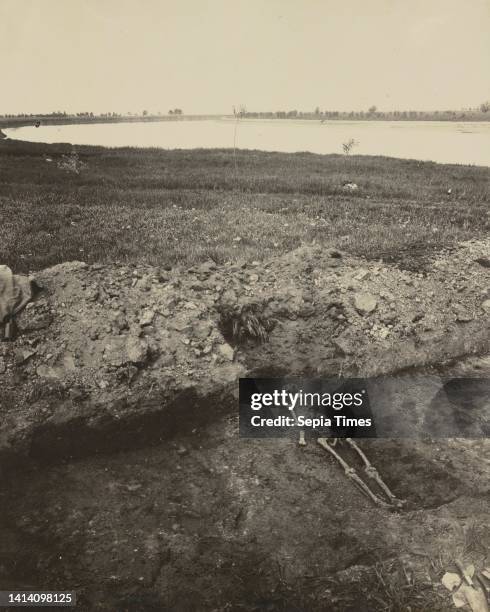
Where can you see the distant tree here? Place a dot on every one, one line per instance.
(145, 113)
(485, 107)
(170, 112)
(372, 109)
(177, 111)
(317, 110)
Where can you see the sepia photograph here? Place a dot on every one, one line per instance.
(245, 305)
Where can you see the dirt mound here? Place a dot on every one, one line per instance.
(116, 356)
(110, 356)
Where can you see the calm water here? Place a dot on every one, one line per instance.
(444, 142)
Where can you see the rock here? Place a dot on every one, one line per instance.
(486, 305)
(365, 303)
(147, 318)
(48, 372)
(22, 355)
(3, 367)
(120, 321)
(179, 323)
(36, 322)
(143, 284)
(350, 187)
(114, 352)
(344, 344)
(136, 350)
(451, 581)
(133, 487)
(227, 351)
(93, 293)
(383, 333)
(121, 350)
(202, 330)
(362, 274)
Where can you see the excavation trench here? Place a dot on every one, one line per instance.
(124, 477)
(203, 519)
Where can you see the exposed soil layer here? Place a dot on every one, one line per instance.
(108, 355)
(190, 516)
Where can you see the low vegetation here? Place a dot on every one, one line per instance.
(166, 207)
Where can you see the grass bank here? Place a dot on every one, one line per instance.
(183, 206)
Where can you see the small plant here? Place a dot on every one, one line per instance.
(349, 145)
(245, 323)
(71, 163)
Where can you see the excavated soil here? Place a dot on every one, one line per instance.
(124, 476)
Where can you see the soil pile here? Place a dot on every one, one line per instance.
(112, 355)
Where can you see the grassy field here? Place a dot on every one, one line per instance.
(166, 207)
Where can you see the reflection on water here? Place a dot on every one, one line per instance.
(444, 142)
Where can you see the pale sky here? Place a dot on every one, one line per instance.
(205, 56)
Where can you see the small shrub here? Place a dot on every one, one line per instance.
(349, 145)
(71, 163)
(246, 323)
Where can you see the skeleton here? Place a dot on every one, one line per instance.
(388, 500)
(391, 500)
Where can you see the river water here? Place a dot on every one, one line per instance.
(439, 141)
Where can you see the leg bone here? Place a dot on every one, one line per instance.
(351, 473)
(373, 473)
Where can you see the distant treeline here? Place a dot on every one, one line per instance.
(373, 115)
(480, 114)
(66, 118)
